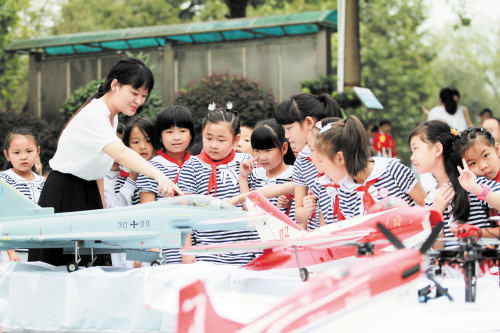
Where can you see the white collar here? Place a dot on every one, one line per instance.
(261, 173)
(306, 151)
(21, 180)
(325, 180)
(380, 164)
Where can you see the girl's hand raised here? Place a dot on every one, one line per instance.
(310, 203)
(246, 167)
(468, 179)
(443, 197)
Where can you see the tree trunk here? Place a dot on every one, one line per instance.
(352, 69)
(237, 8)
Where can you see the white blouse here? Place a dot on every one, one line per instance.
(79, 151)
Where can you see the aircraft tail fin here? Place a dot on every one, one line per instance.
(197, 315)
(14, 204)
(275, 225)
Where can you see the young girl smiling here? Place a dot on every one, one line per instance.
(269, 148)
(215, 172)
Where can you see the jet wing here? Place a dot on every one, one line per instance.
(317, 241)
(82, 236)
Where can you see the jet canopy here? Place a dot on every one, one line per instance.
(198, 200)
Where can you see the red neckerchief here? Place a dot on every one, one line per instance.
(497, 177)
(336, 205)
(212, 181)
(173, 160)
(124, 174)
(321, 174)
(368, 200)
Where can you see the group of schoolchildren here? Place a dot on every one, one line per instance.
(312, 162)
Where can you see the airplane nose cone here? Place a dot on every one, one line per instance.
(269, 260)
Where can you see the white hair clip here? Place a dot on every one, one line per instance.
(212, 106)
(229, 105)
(326, 128)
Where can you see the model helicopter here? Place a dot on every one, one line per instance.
(134, 230)
(283, 240)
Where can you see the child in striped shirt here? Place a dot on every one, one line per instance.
(270, 148)
(215, 172)
(298, 115)
(323, 193)
(343, 150)
(462, 197)
(173, 134)
(21, 151)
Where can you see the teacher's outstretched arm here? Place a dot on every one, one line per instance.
(133, 161)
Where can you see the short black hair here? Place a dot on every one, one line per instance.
(145, 125)
(119, 129)
(485, 110)
(172, 116)
(384, 122)
(248, 124)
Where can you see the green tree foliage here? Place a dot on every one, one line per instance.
(396, 65)
(95, 15)
(152, 106)
(10, 74)
(48, 133)
(469, 60)
(252, 101)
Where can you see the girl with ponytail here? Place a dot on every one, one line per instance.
(298, 115)
(460, 195)
(343, 151)
(448, 111)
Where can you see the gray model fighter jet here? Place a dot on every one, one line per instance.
(134, 230)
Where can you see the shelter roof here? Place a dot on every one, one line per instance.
(187, 33)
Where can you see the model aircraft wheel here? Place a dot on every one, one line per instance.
(156, 263)
(304, 274)
(72, 266)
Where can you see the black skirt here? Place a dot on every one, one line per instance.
(68, 193)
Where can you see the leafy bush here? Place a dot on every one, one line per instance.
(323, 85)
(347, 99)
(152, 106)
(48, 133)
(252, 101)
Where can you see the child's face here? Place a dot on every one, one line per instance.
(296, 133)
(244, 145)
(493, 126)
(218, 140)
(269, 159)
(140, 144)
(311, 137)
(423, 156)
(483, 159)
(22, 153)
(176, 139)
(334, 168)
(385, 128)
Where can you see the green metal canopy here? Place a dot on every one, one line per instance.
(188, 33)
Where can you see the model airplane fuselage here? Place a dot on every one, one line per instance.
(316, 300)
(160, 224)
(284, 241)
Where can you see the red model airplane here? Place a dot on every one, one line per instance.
(282, 239)
(318, 299)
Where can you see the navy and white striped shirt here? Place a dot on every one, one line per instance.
(146, 184)
(326, 198)
(258, 179)
(478, 213)
(194, 179)
(393, 179)
(30, 189)
(305, 174)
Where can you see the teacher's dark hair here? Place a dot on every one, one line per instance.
(128, 72)
(446, 96)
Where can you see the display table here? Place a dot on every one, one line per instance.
(39, 297)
